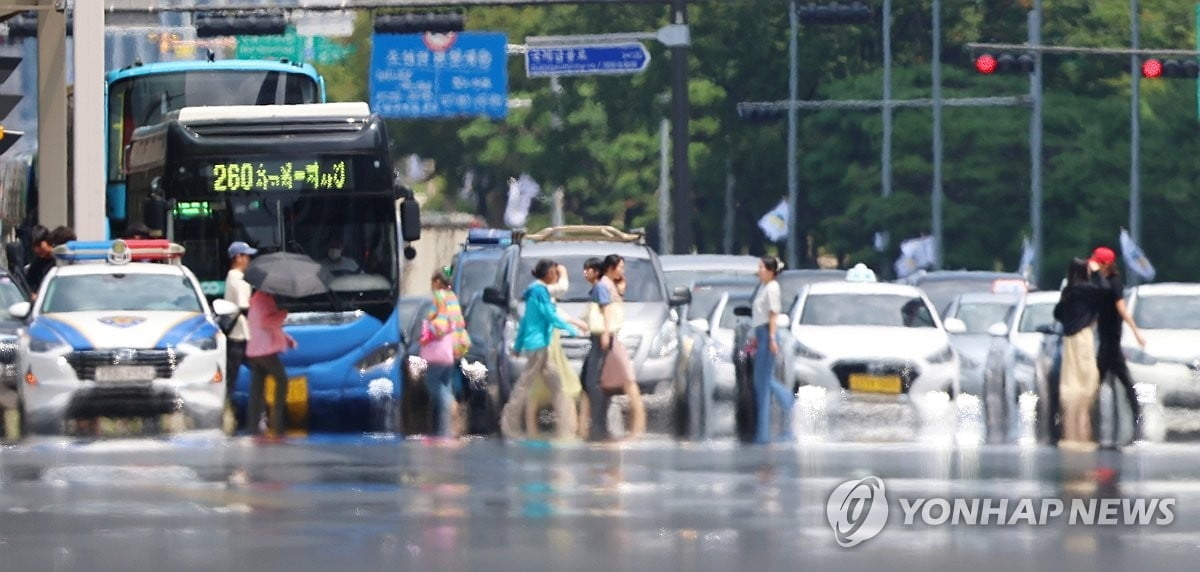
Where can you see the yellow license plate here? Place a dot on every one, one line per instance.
(875, 383)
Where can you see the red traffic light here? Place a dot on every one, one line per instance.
(986, 64)
(1152, 68)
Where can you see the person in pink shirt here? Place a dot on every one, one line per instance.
(267, 341)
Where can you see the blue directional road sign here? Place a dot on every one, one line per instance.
(462, 74)
(598, 59)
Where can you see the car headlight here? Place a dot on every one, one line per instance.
(941, 356)
(381, 355)
(807, 352)
(43, 344)
(202, 340)
(1139, 357)
(666, 341)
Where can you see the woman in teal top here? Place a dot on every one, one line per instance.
(533, 337)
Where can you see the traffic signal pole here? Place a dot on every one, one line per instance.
(1035, 141)
(1135, 131)
(937, 134)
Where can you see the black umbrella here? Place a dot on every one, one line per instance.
(288, 274)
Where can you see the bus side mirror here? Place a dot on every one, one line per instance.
(410, 220)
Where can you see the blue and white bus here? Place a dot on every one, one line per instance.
(139, 95)
(303, 179)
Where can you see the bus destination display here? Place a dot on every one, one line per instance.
(278, 175)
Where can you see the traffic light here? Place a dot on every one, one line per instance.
(418, 23)
(214, 25)
(988, 64)
(835, 13)
(759, 112)
(8, 102)
(1156, 68)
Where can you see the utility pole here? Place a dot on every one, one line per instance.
(1035, 140)
(793, 177)
(937, 135)
(886, 153)
(666, 242)
(1135, 131)
(682, 192)
(730, 207)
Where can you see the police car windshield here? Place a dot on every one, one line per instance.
(120, 292)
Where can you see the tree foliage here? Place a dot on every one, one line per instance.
(597, 137)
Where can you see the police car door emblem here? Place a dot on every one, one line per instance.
(121, 321)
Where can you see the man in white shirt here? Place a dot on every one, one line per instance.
(237, 290)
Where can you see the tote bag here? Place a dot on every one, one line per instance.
(436, 349)
(617, 370)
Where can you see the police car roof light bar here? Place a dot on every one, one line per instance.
(119, 251)
(496, 236)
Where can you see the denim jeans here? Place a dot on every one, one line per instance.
(438, 382)
(765, 386)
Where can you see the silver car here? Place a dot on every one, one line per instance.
(706, 379)
(1013, 369)
(967, 320)
(686, 269)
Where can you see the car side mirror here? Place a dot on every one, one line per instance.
(954, 326)
(998, 330)
(226, 312)
(20, 310)
(494, 297)
(782, 321)
(699, 324)
(742, 311)
(680, 296)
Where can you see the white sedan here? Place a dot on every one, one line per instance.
(872, 339)
(1168, 315)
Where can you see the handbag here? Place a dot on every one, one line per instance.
(595, 318)
(436, 349)
(617, 371)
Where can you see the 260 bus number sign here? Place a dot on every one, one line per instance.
(319, 175)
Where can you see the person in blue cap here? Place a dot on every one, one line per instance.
(237, 291)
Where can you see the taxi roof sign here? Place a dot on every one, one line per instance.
(1009, 286)
(119, 251)
(861, 273)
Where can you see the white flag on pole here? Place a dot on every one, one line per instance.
(1025, 266)
(1135, 259)
(774, 224)
(414, 169)
(521, 192)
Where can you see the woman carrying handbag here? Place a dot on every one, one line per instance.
(444, 341)
(607, 370)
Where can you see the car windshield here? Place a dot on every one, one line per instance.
(942, 292)
(706, 296)
(1035, 316)
(688, 277)
(9, 292)
(978, 316)
(475, 274)
(121, 292)
(642, 281)
(889, 310)
(1167, 312)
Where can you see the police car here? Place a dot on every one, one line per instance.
(120, 329)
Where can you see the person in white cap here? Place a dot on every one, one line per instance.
(237, 290)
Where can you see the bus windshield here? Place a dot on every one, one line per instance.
(351, 236)
(144, 100)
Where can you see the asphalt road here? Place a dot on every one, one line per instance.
(350, 503)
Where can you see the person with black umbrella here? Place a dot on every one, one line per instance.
(277, 274)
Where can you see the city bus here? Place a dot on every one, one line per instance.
(304, 179)
(142, 94)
